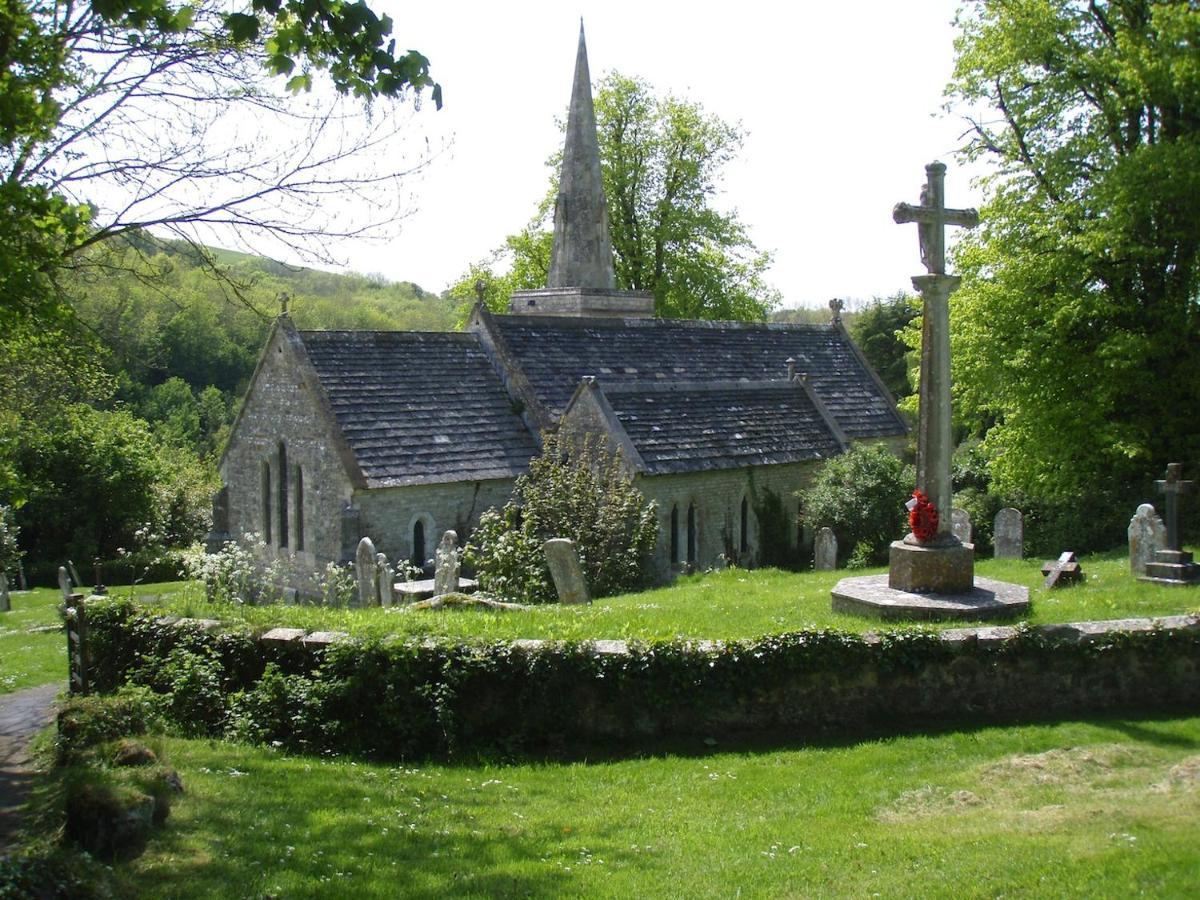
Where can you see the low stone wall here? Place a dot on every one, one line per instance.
(391, 699)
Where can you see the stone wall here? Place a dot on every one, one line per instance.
(282, 408)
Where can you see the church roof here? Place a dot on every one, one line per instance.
(688, 427)
(419, 407)
(555, 353)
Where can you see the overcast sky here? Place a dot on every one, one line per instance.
(841, 103)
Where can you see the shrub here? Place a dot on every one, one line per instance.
(861, 496)
(580, 492)
(191, 684)
(10, 553)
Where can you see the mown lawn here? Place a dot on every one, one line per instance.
(1105, 808)
(721, 605)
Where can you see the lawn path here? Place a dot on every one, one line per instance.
(22, 715)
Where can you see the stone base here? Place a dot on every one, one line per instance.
(870, 596)
(946, 568)
(1173, 567)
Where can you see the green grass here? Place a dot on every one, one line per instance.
(31, 655)
(1108, 808)
(721, 605)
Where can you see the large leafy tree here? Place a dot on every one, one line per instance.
(117, 115)
(1077, 329)
(662, 159)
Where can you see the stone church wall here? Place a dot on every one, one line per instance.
(281, 410)
(389, 515)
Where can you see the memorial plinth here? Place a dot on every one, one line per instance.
(942, 567)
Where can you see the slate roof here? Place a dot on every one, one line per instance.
(555, 353)
(720, 425)
(419, 407)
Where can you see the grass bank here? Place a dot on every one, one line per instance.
(1106, 808)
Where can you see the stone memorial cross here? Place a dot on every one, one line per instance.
(934, 444)
(1173, 486)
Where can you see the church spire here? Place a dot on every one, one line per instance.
(582, 252)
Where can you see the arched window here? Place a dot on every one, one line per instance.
(266, 501)
(691, 535)
(418, 543)
(283, 496)
(298, 475)
(675, 534)
(744, 541)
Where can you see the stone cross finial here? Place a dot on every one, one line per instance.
(283, 303)
(836, 305)
(1173, 486)
(932, 217)
(480, 290)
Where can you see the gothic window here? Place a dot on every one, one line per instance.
(675, 534)
(744, 541)
(266, 501)
(283, 496)
(691, 534)
(418, 543)
(298, 476)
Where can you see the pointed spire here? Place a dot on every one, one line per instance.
(582, 252)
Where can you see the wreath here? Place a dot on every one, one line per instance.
(922, 517)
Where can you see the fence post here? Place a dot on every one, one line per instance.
(77, 649)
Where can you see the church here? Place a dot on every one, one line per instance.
(401, 435)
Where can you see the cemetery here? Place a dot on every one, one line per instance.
(583, 599)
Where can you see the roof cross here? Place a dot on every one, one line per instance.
(932, 217)
(1173, 486)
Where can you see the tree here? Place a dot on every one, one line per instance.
(1077, 328)
(878, 329)
(579, 492)
(119, 115)
(662, 159)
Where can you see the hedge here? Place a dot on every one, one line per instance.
(397, 699)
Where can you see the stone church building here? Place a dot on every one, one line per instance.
(401, 435)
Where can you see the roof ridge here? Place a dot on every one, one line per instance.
(646, 322)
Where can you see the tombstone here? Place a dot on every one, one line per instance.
(1008, 535)
(1062, 571)
(64, 583)
(446, 565)
(75, 579)
(99, 590)
(364, 565)
(5, 600)
(960, 524)
(566, 571)
(386, 577)
(1172, 564)
(1147, 535)
(21, 584)
(825, 550)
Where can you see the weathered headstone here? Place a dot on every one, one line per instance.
(64, 582)
(825, 549)
(960, 524)
(566, 571)
(1008, 534)
(1147, 535)
(5, 600)
(364, 565)
(387, 579)
(446, 565)
(75, 579)
(1062, 571)
(1172, 564)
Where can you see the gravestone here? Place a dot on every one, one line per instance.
(1147, 535)
(446, 565)
(1062, 571)
(386, 578)
(1172, 564)
(565, 570)
(1008, 534)
(825, 549)
(64, 582)
(364, 565)
(5, 600)
(75, 579)
(21, 584)
(960, 524)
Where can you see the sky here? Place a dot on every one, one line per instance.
(841, 103)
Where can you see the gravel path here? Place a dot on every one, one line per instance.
(22, 715)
